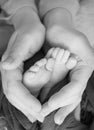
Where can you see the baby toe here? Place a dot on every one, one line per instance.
(49, 53)
(60, 55)
(41, 63)
(50, 64)
(34, 68)
(65, 56)
(71, 63)
(55, 52)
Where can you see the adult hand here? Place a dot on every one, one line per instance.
(68, 98)
(61, 33)
(25, 42)
(18, 95)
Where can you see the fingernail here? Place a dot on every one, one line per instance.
(58, 122)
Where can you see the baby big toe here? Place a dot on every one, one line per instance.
(50, 64)
(71, 63)
(41, 63)
(34, 68)
(49, 53)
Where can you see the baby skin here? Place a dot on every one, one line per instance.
(49, 71)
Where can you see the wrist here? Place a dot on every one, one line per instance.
(25, 16)
(58, 16)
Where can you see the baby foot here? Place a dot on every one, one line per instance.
(63, 62)
(38, 75)
(49, 70)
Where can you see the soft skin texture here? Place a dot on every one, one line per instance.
(48, 71)
(69, 97)
(29, 28)
(26, 40)
(66, 11)
(18, 95)
(62, 32)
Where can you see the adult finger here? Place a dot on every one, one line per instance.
(18, 95)
(61, 99)
(66, 96)
(63, 112)
(46, 110)
(73, 40)
(22, 46)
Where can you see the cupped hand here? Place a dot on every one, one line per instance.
(18, 95)
(69, 97)
(23, 44)
(26, 40)
(63, 34)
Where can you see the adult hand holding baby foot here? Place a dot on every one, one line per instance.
(61, 33)
(26, 40)
(69, 96)
(33, 31)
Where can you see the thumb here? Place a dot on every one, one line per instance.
(17, 51)
(63, 112)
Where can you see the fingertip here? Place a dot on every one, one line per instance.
(41, 118)
(77, 112)
(57, 121)
(59, 117)
(31, 118)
